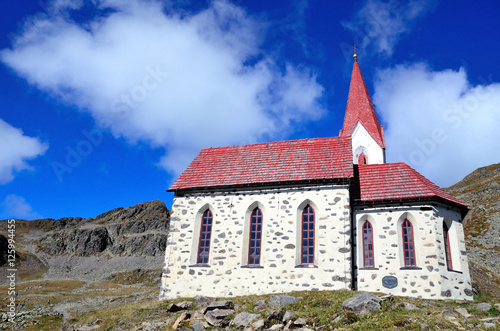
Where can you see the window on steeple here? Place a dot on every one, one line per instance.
(362, 159)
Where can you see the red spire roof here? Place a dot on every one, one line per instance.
(360, 109)
(396, 181)
(277, 162)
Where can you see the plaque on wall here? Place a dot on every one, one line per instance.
(389, 282)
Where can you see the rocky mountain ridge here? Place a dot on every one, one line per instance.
(119, 240)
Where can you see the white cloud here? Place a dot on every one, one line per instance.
(382, 23)
(176, 80)
(437, 122)
(15, 150)
(15, 206)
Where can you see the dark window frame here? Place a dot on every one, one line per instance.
(255, 236)
(447, 247)
(308, 221)
(368, 246)
(203, 254)
(408, 244)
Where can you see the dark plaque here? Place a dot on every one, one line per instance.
(389, 282)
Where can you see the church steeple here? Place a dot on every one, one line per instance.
(360, 114)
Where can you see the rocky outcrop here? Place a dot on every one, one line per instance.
(135, 237)
(480, 190)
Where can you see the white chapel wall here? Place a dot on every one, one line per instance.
(227, 274)
(362, 142)
(431, 279)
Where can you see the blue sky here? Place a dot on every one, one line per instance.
(103, 103)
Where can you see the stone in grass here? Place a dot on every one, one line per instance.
(288, 316)
(277, 301)
(257, 324)
(489, 325)
(174, 307)
(215, 317)
(198, 327)
(447, 311)
(410, 306)
(362, 304)
(261, 304)
(463, 312)
(202, 301)
(276, 327)
(300, 322)
(226, 304)
(243, 319)
(484, 306)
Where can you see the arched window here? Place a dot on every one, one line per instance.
(205, 234)
(408, 244)
(447, 250)
(255, 238)
(307, 256)
(368, 245)
(362, 159)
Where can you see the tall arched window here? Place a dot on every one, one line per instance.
(408, 244)
(447, 250)
(368, 261)
(205, 234)
(362, 159)
(307, 256)
(254, 249)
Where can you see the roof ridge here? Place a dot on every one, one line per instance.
(278, 142)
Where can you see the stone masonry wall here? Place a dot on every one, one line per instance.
(227, 273)
(431, 279)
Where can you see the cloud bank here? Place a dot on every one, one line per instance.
(438, 122)
(380, 24)
(16, 207)
(169, 79)
(15, 151)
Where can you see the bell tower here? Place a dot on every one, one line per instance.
(361, 122)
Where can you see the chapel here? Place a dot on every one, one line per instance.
(314, 214)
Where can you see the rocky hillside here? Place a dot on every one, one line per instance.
(481, 191)
(91, 249)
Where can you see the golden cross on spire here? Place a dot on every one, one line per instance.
(355, 56)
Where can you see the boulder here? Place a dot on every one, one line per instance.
(243, 319)
(484, 306)
(226, 304)
(288, 316)
(201, 301)
(362, 303)
(257, 324)
(277, 301)
(215, 317)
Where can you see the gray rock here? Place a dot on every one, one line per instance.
(243, 319)
(489, 325)
(198, 327)
(226, 304)
(277, 301)
(214, 317)
(276, 327)
(300, 322)
(410, 306)
(201, 301)
(362, 303)
(174, 307)
(261, 304)
(259, 324)
(484, 306)
(447, 311)
(463, 312)
(288, 316)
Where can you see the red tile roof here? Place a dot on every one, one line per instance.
(396, 181)
(276, 162)
(360, 109)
